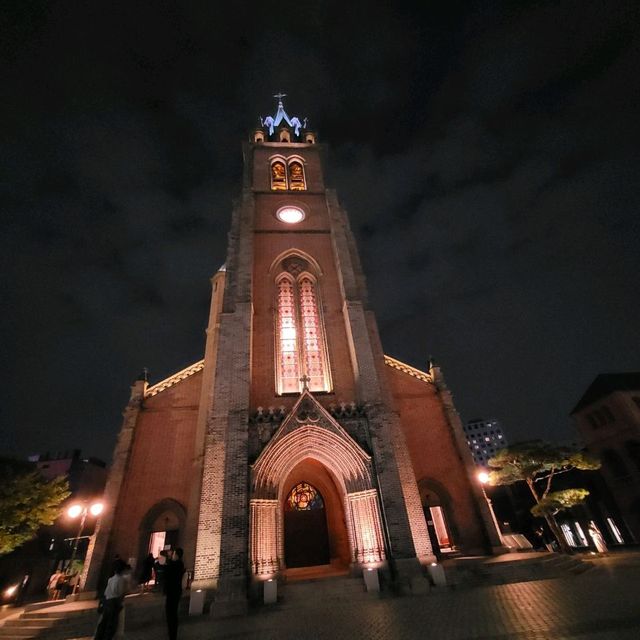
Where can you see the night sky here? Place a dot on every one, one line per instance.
(487, 154)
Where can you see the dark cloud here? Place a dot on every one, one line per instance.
(486, 153)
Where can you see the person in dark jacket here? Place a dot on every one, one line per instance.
(147, 570)
(173, 590)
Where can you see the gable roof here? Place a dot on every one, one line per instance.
(405, 368)
(172, 380)
(607, 383)
(169, 382)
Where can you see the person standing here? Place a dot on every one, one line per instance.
(173, 591)
(52, 587)
(159, 568)
(596, 537)
(113, 601)
(146, 570)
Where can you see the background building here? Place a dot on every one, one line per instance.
(608, 419)
(485, 438)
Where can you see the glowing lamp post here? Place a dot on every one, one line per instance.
(82, 511)
(483, 477)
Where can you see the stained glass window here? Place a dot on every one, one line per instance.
(289, 365)
(296, 176)
(304, 497)
(301, 350)
(313, 347)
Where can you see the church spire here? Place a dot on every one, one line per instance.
(272, 127)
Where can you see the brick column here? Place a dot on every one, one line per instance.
(404, 517)
(99, 542)
(222, 544)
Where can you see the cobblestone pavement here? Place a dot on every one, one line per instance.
(603, 604)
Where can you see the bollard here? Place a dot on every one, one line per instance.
(271, 591)
(436, 573)
(371, 580)
(196, 602)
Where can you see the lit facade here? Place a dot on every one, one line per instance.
(295, 441)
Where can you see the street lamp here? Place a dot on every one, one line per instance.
(77, 510)
(483, 477)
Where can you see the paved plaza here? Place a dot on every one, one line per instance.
(602, 604)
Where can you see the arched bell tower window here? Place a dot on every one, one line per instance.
(301, 350)
(296, 176)
(278, 176)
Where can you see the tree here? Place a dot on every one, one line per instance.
(27, 501)
(537, 463)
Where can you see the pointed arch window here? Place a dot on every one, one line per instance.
(313, 349)
(288, 352)
(296, 176)
(300, 341)
(278, 176)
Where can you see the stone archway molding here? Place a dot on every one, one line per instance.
(310, 432)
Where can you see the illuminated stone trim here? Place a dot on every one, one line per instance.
(405, 368)
(367, 540)
(169, 382)
(310, 432)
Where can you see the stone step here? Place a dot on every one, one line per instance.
(472, 572)
(57, 614)
(48, 633)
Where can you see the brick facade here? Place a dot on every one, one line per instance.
(221, 444)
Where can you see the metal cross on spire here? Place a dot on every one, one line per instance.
(280, 96)
(305, 382)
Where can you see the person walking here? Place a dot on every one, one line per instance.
(113, 601)
(173, 591)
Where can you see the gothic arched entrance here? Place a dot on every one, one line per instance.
(310, 447)
(306, 536)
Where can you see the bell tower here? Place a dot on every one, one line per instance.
(294, 389)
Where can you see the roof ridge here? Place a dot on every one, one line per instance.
(174, 379)
(408, 369)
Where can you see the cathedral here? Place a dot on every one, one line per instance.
(295, 443)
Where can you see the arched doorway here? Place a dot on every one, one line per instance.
(436, 505)
(161, 527)
(311, 447)
(306, 537)
(314, 526)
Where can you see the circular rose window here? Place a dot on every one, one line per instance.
(290, 215)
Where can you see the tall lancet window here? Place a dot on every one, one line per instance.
(313, 347)
(289, 359)
(301, 344)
